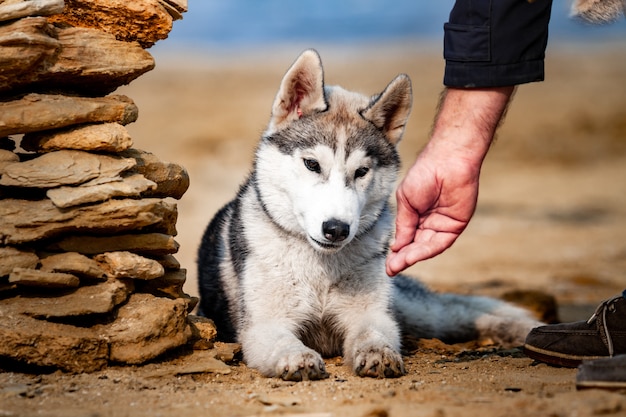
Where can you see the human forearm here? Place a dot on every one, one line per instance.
(467, 120)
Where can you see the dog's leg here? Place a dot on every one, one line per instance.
(372, 342)
(458, 318)
(273, 349)
(506, 324)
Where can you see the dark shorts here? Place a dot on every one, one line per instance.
(496, 43)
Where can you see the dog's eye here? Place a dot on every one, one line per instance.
(361, 172)
(312, 165)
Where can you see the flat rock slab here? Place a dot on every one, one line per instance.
(65, 167)
(129, 265)
(43, 343)
(94, 62)
(37, 56)
(172, 179)
(227, 351)
(175, 8)
(180, 5)
(7, 158)
(52, 170)
(195, 363)
(18, 9)
(11, 258)
(23, 221)
(144, 21)
(146, 327)
(204, 332)
(100, 298)
(170, 284)
(36, 112)
(101, 137)
(130, 186)
(151, 244)
(42, 279)
(168, 261)
(24, 46)
(73, 263)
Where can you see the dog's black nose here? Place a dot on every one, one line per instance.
(335, 230)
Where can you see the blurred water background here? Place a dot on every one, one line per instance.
(234, 26)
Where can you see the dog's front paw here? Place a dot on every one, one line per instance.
(302, 366)
(378, 362)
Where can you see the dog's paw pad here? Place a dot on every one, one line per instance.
(303, 366)
(379, 363)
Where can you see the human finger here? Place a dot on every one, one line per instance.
(407, 219)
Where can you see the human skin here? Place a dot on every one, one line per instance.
(437, 197)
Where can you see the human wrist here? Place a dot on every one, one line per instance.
(467, 120)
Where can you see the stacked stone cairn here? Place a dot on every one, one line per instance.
(87, 222)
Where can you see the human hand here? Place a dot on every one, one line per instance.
(436, 201)
(437, 197)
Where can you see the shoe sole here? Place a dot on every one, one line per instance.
(606, 385)
(556, 358)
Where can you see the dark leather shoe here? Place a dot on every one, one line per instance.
(568, 344)
(607, 373)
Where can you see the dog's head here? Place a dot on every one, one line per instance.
(328, 161)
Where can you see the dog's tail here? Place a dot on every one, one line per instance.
(424, 314)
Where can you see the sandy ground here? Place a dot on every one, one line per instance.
(551, 217)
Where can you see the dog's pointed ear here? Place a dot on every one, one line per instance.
(301, 90)
(389, 111)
